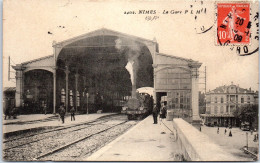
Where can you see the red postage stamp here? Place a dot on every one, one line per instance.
(233, 23)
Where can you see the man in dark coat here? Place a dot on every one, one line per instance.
(155, 113)
(163, 110)
(72, 113)
(62, 113)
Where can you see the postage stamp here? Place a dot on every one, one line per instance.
(233, 23)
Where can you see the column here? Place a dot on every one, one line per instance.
(195, 90)
(76, 90)
(154, 83)
(154, 91)
(84, 91)
(54, 91)
(67, 87)
(19, 85)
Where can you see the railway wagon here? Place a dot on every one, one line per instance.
(139, 107)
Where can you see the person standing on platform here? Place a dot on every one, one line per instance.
(62, 113)
(155, 113)
(60, 110)
(72, 113)
(163, 111)
(230, 133)
(218, 131)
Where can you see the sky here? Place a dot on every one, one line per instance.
(26, 24)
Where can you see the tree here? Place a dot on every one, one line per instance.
(247, 113)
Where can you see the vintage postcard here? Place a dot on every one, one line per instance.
(89, 80)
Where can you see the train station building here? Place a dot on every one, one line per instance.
(93, 66)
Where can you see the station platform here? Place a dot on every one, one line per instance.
(37, 121)
(144, 142)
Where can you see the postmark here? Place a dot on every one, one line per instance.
(233, 23)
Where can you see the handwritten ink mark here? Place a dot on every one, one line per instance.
(206, 30)
(227, 42)
(49, 33)
(256, 50)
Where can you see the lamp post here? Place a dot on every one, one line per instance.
(87, 102)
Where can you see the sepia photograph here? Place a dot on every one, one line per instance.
(143, 80)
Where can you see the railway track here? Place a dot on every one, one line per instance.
(44, 145)
(59, 149)
(59, 128)
(20, 141)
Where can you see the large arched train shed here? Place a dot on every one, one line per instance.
(89, 70)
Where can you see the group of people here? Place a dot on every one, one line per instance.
(159, 110)
(62, 113)
(11, 112)
(225, 131)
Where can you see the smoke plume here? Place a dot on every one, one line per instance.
(130, 69)
(132, 51)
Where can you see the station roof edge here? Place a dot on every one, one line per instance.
(98, 30)
(172, 56)
(37, 59)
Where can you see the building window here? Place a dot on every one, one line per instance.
(233, 98)
(242, 100)
(216, 100)
(248, 99)
(181, 99)
(227, 109)
(63, 95)
(221, 109)
(176, 100)
(222, 100)
(188, 98)
(216, 110)
(71, 98)
(207, 110)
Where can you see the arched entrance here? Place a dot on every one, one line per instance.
(96, 66)
(38, 91)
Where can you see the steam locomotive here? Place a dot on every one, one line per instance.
(138, 107)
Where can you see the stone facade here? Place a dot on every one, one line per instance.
(223, 101)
